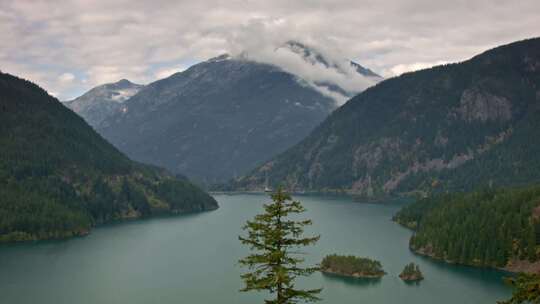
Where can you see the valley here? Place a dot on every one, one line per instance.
(269, 152)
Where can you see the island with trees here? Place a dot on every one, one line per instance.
(411, 273)
(352, 266)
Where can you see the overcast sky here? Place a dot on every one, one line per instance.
(68, 47)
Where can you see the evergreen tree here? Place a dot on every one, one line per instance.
(526, 289)
(481, 228)
(59, 178)
(275, 262)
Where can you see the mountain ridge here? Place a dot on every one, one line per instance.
(430, 130)
(312, 55)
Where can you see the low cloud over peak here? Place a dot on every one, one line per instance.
(326, 69)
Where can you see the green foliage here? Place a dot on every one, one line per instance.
(275, 263)
(526, 289)
(30, 215)
(411, 272)
(351, 266)
(58, 177)
(415, 132)
(483, 228)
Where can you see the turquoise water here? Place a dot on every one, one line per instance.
(192, 259)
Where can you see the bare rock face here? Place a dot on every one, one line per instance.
(482, 106)
(368, 157)
(363, 187)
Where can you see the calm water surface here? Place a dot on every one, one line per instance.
(192, 259)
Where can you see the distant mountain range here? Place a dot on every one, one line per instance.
(447, 128)
(103, 101)
(214, 121)
(59, 178)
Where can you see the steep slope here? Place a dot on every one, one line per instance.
(58, 177)
(103, 101)
(217, 119)
(445, 128)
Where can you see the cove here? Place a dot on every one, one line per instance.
(193, 259)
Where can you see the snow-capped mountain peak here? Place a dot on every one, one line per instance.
(104, 101)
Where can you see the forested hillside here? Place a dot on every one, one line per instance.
(58, 177)
(496, 228)
(447, 128)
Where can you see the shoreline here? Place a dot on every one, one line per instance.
(338, 193)
(513, 266)
(81, 233)
(354, 275)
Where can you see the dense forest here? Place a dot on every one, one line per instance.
(447, 128)
(489, 227)
(351, 266)
(58, 177)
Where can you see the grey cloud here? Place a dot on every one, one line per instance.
(99, 41)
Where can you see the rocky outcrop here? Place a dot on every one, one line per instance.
(479, 105)
(440, 164)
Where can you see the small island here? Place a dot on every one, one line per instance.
(411, 273)
(352, 266)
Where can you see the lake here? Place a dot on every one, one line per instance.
(193, 259)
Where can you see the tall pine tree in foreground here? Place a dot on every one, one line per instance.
(275, 240)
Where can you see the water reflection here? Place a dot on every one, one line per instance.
(359, 282)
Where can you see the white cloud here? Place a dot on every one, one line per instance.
(103, 40)
(274, 52)
(415, 66)
(166, 72)
(66, 78)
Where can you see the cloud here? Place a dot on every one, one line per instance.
(415, 66)
(66, 78)
(263, 40)
(102, 41)
(166, 72)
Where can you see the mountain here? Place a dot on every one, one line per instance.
(337, 75)
(59, 178)
(103, 101)
(218, 119)
(451, 127)
(315, 57)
